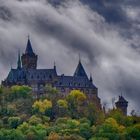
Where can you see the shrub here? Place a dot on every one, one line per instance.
(14, 121)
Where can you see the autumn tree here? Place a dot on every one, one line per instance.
(42, 107)
(76, 99)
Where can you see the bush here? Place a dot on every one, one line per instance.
(11, 135)
(34, 120)
(14, 121)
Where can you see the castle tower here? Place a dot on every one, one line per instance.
(29, 58)
(122, 104)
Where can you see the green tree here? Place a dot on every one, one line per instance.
(62, 108)
(20, 92)
(14, 121)
(34, 120)
(76, 100)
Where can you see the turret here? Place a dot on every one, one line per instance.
(29, 58)
(122, 104)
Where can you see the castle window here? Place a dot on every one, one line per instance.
(60, 83)
(32, 77)
(37, 76)
(50, 76)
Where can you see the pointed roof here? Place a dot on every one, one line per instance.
(29, 49)
(122, 100)
(19, 61)
(80, 72)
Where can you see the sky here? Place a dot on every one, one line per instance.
(106, 34)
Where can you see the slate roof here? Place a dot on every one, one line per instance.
(16, 75)
(80, 72)
(41, 74)
(29, 49)
(74, 82)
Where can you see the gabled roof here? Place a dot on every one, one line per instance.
(29, 49)
(80, 72)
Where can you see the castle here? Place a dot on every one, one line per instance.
(27, 73)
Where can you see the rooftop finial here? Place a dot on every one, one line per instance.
(79, 57)
(91, 77)
(54, 65)
(121, 92)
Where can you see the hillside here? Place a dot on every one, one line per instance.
(51, 117)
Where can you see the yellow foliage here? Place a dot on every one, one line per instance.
(62, 103)
(77, 94)
(121, 128)
(53, 136)
(42, 106)
(112, 122)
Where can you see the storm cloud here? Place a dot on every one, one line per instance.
(105, 33)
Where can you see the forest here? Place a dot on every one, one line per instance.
(23, 116)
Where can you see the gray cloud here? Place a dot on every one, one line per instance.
(105, 33)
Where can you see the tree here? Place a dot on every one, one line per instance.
(76, 100)
(34, 120)
(14, 122)
(52, 93)
(53, 136)
(42, 106)
(109, 129)
(134, 131)
(62, 108)
(11, 134)
(20, 92)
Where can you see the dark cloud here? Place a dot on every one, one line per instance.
(106, 33)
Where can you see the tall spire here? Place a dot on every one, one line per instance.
(19, 61)
(29, 49)
(79, 57)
